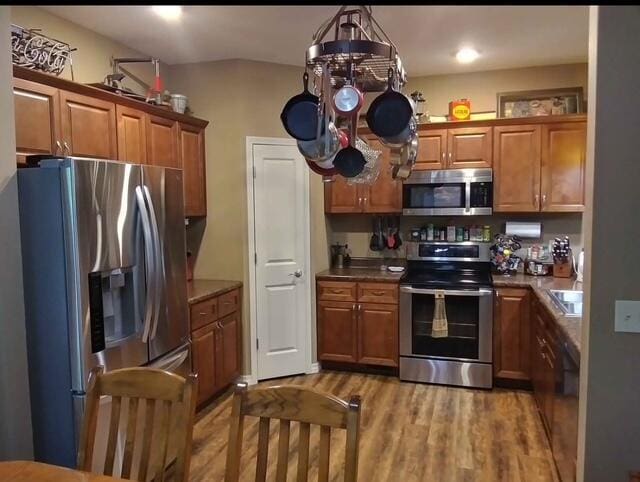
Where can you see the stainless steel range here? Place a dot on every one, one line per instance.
(462, 273)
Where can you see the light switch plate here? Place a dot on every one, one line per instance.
(627, 317)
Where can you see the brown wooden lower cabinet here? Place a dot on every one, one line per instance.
(378, 334)
(337, 331)
(511, 332)
(203, 349)
(358, 333)
(216, 353)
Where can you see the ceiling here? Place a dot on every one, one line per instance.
(427, 37)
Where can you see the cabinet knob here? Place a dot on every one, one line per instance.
(537, 199)
(67, 149)
(544, 199)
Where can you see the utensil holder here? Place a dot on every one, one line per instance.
(562, 269)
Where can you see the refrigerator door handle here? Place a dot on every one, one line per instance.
(159, 273)
(149, 263)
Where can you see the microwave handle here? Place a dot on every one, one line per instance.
(420, 291)
(467, 195)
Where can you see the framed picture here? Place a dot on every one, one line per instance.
(531, 103)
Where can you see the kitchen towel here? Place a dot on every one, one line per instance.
(440, 327)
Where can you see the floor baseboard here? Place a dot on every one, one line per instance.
(314, 368)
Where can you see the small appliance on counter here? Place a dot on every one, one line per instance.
(340, 257)
(580, 268)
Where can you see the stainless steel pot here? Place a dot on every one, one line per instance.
(319, 150)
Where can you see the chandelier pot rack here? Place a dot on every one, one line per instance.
(349, 57)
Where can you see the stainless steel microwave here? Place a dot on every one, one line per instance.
(452, 192)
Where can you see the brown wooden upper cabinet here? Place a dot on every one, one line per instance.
(60, 117)
(191, 148)
(88, 126)
(563, 166)
(37, 114)
(162, 142)
(455, 148)
(516, 168)
(539, 167)
(132, 134)
(383, 196)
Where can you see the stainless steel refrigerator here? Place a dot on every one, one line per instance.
(103, 247)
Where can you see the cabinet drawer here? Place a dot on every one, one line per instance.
(336, 291)
(228, 303)
(203, 313)
(378, 293)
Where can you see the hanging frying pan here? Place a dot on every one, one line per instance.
(390, 112)
(300, 114)
(350, 161)
(319, 170)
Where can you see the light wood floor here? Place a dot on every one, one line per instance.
(409, 433)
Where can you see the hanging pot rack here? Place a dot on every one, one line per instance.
(358, 52)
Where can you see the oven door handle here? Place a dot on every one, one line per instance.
(420, 291)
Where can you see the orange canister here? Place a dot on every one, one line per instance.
(460, 109)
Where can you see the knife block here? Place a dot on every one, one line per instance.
(562, 269)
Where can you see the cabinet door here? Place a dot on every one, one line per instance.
(432, 150)
(37, 113)
(340, 197)
(516, 168)
(204, 360)
(563, 166)
(469, 147)
(537, 360)
(511, 330)
(227, 353)
(337, 332)
(162, 142)
(378, 334)
(385, 194)
(549, 387)
(88, 126)
(132, 134)
(191, 147)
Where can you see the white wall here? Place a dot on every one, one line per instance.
(15, 413)
(610, 361)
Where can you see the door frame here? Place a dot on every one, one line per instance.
(311, 367)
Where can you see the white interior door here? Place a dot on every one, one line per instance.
(281, 211)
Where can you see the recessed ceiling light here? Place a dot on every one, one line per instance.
(168, 12)
(467, 55)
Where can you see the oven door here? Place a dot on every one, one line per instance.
(469, 319)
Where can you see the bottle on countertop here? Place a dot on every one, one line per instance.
(430, 232)
(486, 233)
(466, 235)
(443, 234)
(451, 233)
(459, 234)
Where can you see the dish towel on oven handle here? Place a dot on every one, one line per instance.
(440, 327)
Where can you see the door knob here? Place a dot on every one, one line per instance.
(297, 273)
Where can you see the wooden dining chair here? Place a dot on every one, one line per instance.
(164, 396)
(298, 404)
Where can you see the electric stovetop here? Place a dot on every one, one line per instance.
(442, 274)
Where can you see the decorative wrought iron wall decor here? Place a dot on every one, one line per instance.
(34, 50)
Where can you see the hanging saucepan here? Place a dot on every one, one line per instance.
(300, 114)
(350, 161)
(344, 142)
(390, 112)
(348, 100)
(408, 157)
(404, 137)
(319, 150)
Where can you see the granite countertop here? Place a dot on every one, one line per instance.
(201, 289)
(571, 326)
(358, 274)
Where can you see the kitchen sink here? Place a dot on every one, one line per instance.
(569, 302)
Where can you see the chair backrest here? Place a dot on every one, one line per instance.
(169, 410)
(299, 404)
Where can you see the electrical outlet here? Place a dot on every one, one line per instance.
(627, 318)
